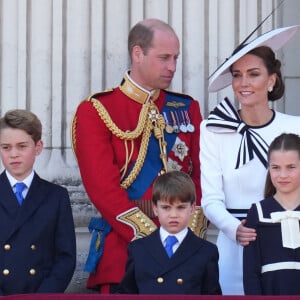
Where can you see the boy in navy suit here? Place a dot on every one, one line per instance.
(191, 267)
(37, 236)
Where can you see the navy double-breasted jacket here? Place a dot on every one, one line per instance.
(37, 239)
(193, 269)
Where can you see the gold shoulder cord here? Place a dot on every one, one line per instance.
(124, 135)
(73, 136)
(74, 125)
(149, 119)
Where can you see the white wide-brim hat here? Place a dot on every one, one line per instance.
(275, 39)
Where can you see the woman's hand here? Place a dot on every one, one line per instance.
(245, 235)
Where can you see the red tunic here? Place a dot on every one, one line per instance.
(101, 155)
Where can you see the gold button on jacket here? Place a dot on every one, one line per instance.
(160, 280)
(5, 272)
(7, 247)
(32, 271)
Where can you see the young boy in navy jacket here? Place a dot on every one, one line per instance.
(37, 236)
(190, 265)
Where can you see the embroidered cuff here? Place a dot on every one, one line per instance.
(198, 222)
(138, 221)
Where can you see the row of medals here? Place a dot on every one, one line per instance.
(178, 122)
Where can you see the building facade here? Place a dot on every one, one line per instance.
(53, 53)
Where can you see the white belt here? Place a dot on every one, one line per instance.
(287, 265)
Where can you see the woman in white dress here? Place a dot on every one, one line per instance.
(234, 145)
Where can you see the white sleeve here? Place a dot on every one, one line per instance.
(213, 197)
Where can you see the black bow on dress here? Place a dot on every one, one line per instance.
(224, 118)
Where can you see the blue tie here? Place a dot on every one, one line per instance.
(20, 186)
(171, 240)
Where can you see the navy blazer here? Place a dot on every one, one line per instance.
(193, 269)
(37, 239)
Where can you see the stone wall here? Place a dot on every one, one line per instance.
(53, 53)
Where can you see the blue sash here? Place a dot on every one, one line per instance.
(99, 229)
(153, 164)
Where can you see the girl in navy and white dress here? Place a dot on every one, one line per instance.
(272, 262)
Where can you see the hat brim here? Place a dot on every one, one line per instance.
(275, 39)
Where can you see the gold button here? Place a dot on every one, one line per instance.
(160, 280)
(179, 281)
(33, 247)
(5, 272)
(32, 271)
(7, 247)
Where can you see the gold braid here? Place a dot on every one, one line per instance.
(141, 157)
(73, 134)
(158, 128)
(128, 158)
(123, 135)
(149, 119)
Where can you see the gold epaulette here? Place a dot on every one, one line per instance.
(91, 96)
(198, 222)
(138, 221)
(74, 119)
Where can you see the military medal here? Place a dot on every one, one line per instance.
(173, 165)
(183, 127)
(190, 127)
(179, 124)
(180, 149)
(175, 127)
(175, 124)
(169, 128)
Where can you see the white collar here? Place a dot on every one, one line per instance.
(12, 180)
(179, 235)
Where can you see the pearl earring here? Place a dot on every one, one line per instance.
(270, 89)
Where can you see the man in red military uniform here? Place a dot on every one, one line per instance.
(125, 137)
